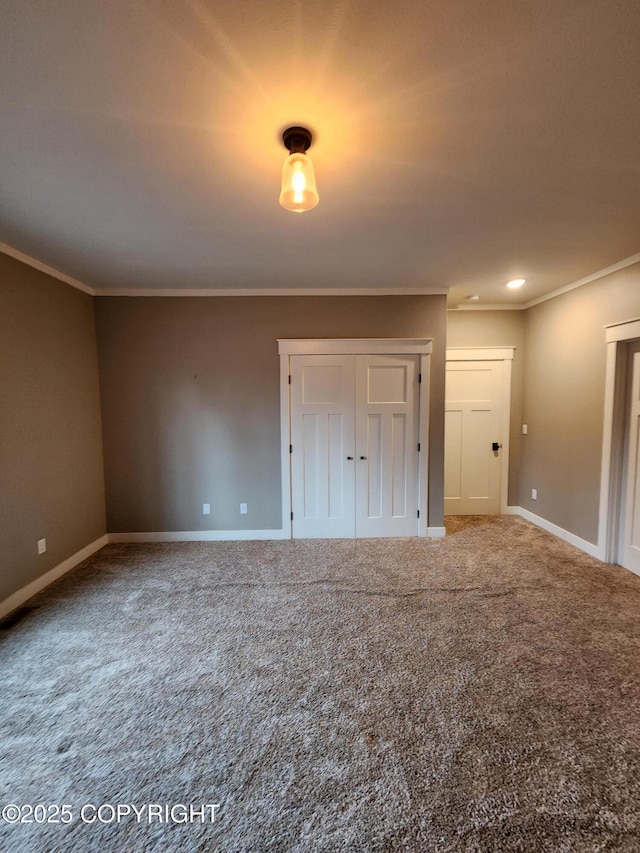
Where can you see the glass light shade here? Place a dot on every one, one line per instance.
(298, 192)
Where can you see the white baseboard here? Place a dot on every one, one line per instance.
(560, 532)
(22, 595)
(198, 536)
(218, 536)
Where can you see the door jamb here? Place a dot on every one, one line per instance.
(356, 346)
(619, 337)
(504, 355)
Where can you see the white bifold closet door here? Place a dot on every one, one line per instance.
(354, 453)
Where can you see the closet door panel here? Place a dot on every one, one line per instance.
(386, 445)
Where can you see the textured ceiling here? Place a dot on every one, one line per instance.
(458, 144)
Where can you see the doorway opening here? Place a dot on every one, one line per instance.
(619, 525)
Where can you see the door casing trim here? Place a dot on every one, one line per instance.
(619, 337)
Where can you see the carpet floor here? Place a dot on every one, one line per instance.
(474, 693)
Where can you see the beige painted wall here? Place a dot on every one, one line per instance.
(190, 397)
(564, 381)
(497, 329)
(51, 466)
(190, 400)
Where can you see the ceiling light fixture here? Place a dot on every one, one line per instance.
(516, 283)
(298, 192)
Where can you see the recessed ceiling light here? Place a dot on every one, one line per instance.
(515, 283)
(474, 298)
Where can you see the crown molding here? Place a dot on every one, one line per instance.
(318, 291)
(487, 308)
(627, 262)
(282, 291)
(45, 268)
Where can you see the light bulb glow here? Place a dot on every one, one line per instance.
(299, 185)
(515, 283)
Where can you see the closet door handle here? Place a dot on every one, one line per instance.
(350, 458)
(363, 457)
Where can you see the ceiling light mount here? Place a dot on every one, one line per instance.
(298, 191)
(297, 139)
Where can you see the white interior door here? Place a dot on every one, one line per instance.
(630, 535)
(473, 425)
(386, 445)
(354, 445)
(322, 436)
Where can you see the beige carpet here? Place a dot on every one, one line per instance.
(479, 693)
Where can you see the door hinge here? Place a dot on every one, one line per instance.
(418, 513)
(419, 377)
(289, 379)
(291, 516)
(418, 447)
(291, 448)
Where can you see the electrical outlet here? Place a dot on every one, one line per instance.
(243, 509)
(534, 494)
(525, 429)
(42, 546)
(206, 509)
